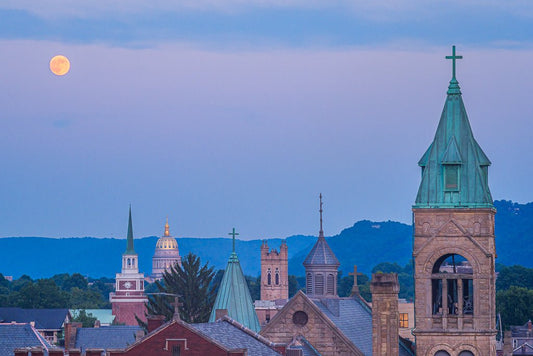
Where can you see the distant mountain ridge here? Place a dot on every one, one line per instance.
(364, 244)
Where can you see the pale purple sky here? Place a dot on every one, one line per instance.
(218, 124)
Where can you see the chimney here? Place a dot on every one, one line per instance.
(385, 315)
(219, 313)
(97, 323)
(155, 321)
(71, 329)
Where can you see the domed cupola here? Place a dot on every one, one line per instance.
(166, 254)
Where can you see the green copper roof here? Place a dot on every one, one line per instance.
(234, 296)
(129, 249)
(454, 167)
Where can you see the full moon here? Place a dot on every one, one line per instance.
(59, 65)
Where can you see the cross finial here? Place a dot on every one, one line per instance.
(355, 288)
(233, 233)
(453, 57)
(321, 233)
(177, 306)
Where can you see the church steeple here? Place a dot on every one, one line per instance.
(233, 295)
(454, 167)
(129, 248)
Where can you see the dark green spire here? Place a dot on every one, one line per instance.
(454, 167)
(129, 249)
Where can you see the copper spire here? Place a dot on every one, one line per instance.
(321, 233)
(167, 232)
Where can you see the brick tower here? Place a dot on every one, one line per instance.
(454, 248)
(274, 272)
(129, 298)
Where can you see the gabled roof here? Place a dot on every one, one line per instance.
(454, 144)
(229, 334)
(350, 317)
(524, 349)
(321, 255)
(234, 296)
(106, 337)
(45, 319)
(14, 336)
(225, 333)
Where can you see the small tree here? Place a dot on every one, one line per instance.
(193, 284)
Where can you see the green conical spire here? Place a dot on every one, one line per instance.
(234, 296)
(129, 249)
(454, 167)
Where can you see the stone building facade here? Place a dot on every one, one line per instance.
(454, 249)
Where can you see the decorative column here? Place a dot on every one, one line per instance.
(385, 316)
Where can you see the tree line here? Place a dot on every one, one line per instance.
(197, 286)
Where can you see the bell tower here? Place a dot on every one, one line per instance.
(274, 272)
(129, 298)
(454, 251)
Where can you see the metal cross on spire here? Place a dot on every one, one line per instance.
(233, 233)
(453, 57)
(321, 233)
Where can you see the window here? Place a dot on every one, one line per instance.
(466, 353)
(404, 320)
(451, 177)
(277, 276)
(309, 283)
(319, 284)
(442, 353)
(452, 287)
(331, 284)
(269, 277)
(176, 351)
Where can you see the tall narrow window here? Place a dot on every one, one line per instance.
(452, 297)
(451, 177)
(309, 283)
(468, 296)
(277, 276)
(319, 284)
(176, 351)
(269, 277)
(436, 293)
(330, 284)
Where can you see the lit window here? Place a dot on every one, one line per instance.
(404, 320)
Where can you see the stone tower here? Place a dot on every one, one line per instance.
(385, 315)
(129, 298)
(321, 267)
(274, 272)
(166, 254)
(454, 247)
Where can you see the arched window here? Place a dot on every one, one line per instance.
(129, 262)
(269, 277)
(309, 283)
(442, 353)
(466, 353)
(452, 287)
(330, 284)
(277, 276)
(319, 284)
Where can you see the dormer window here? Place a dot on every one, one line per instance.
(451, 177)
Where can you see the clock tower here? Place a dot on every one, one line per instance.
(129, 299)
